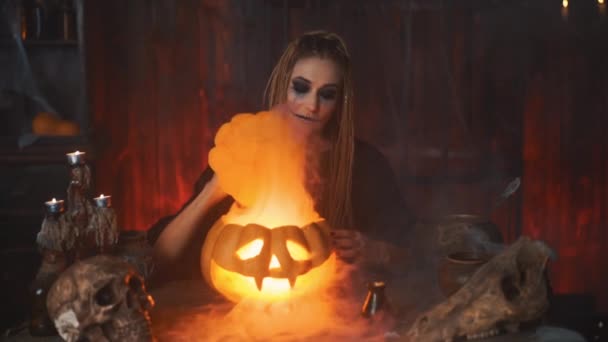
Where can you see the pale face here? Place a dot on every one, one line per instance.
(312, 96)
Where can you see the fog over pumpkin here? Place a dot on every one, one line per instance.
(260, 163)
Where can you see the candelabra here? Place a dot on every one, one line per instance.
(86, 228)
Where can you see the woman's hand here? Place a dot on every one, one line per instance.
(353, 246)
(349, 245)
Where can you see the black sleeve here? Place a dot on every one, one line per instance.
(378, 205)
(157, 228)
(188, 264)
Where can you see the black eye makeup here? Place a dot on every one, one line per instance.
(328, 94)
(300, 87)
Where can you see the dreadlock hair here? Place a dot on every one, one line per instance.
(339, 129)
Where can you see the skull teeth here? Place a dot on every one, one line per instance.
(483, 334)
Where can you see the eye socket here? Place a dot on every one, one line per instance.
(509, 289)
(105, 296)
(135, 295)
(135, 283)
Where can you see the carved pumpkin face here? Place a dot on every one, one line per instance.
(255, 261)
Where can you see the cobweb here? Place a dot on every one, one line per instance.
(37, 79)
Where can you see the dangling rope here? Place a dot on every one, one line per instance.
(103, 227)
(50, 235)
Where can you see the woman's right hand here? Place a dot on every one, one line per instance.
(348, 244)
(212, 193)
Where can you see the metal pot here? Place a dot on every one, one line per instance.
(466, 233)
(466, 242)
(456, 269)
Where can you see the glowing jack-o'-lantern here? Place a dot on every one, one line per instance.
(255, 261)
(272, 243)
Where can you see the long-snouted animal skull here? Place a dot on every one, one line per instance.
(100, 299)
(508, 290)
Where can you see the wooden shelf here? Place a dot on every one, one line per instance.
(44, 150)
(71, 44)
(50, 43)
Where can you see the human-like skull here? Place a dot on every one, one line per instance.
(508, 290)
(100, 299)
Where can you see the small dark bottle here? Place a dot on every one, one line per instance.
(68, 16)
(33, 19)
(375, 303)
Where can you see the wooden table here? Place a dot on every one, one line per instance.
(183, 308)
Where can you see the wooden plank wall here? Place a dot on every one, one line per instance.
(566, 162)
(460, 101)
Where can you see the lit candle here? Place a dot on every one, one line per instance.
(602, 6)
(565, 9)
(54, 206)
(103, 201)
(75, 158)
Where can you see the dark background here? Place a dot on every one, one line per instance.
(461, 96)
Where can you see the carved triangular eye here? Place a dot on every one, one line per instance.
(297, 251)
(250, 249)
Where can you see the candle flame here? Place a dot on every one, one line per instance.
(601, 2)
(565, 3)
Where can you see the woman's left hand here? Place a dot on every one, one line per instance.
(348, 244)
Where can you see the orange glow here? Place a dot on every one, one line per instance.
(254, 248)
(250, 250)
(296, 251)
(262, 166)
(564, 3)
(274, 263)
(236, 286)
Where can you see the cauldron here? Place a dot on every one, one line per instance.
(455, 269)
(466, 242)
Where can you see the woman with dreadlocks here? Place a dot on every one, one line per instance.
(311, 85)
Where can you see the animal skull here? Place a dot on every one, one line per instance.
(508, 290)
(100, 299)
